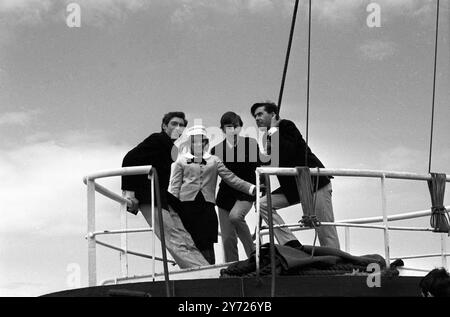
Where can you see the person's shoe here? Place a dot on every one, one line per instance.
(294, 244)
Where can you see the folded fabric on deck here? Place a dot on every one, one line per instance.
(298, 261)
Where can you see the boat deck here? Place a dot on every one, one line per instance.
(286, 286)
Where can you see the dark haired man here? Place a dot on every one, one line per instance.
(285, 142)
(157, 150)
(241, 156)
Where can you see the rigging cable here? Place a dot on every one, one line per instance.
(286, 63)
(288, 53)
(280, 98)
(434, 85)
(307, 84)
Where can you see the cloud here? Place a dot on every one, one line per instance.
(23, 289)
(15, 285)
(44, 192)
(401, 158)
(377, 50)
(182, 15)
(326, 11)
(260, 6)
(409, 7)
(189, 10)
(25, 11)
(99, 12)
(32, 12)
(21, 118)
(349, 11)
(3, 73)
(333, 11)
(44, 211)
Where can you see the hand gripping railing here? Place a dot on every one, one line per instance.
(361, 223)
(92, 187)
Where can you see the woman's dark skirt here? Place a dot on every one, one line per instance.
(200, 220)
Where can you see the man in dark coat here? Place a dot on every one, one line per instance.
(287, 148)
(159, 151)
(241, 155)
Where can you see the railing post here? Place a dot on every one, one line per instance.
(152, 197)
(258, 215)
(154, 174)
(92, 257)
(271, 233)
(347, 239)
(124, 239)
(385, 221)
(444, 249)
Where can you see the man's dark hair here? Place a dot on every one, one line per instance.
(175, 114)
(230, 117)
(269, 107)
(437, 283)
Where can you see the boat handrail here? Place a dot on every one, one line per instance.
(93, 187)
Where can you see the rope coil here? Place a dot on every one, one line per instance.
(310, 221)
(439, 213)
(439, 220)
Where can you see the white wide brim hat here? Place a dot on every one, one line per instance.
(196, 130)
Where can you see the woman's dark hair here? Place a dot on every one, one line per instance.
(175, 114)
(437, 283)
(269, 107)
(230, 117)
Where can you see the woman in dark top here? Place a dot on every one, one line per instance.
(241, 156)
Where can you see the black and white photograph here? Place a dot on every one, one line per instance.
(225, 152)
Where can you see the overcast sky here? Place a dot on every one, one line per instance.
(75, 100)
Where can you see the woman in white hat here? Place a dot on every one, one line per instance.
(193, 181)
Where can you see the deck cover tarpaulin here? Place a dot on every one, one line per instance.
(306, 258)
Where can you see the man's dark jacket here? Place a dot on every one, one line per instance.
(156, 151)
(291, 150)
(242, 160)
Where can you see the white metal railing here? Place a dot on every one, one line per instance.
(93, 187)
(382, 175)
